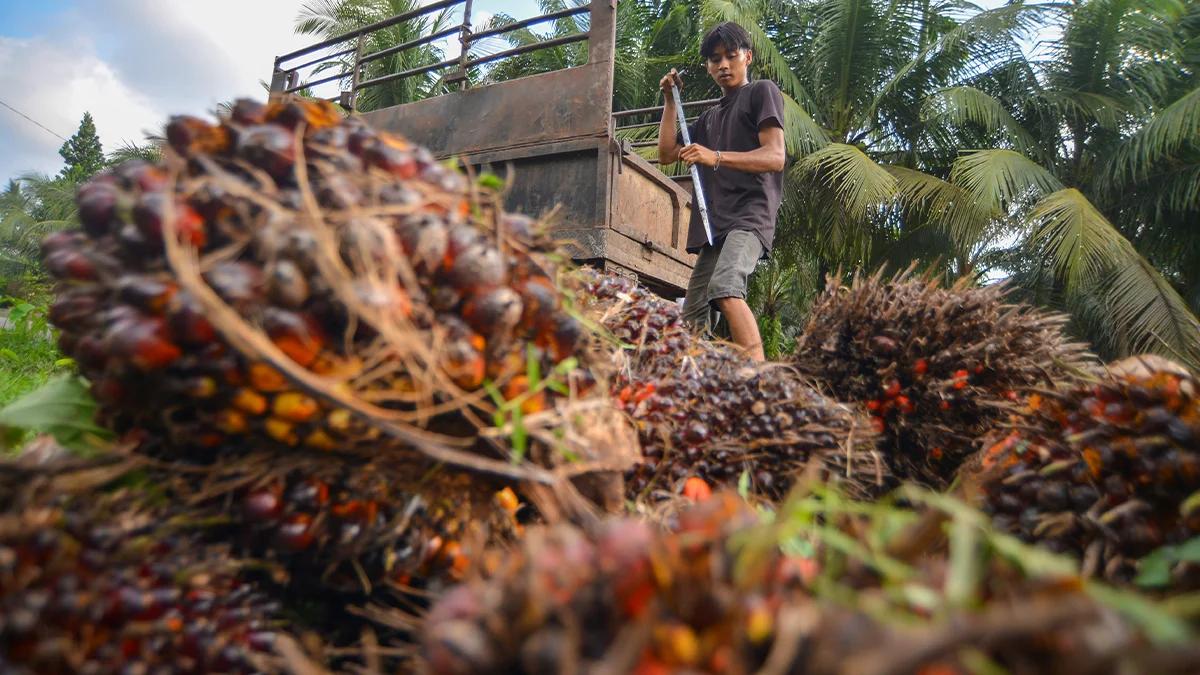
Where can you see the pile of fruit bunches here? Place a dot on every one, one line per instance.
(1108, 471)
(704, 412)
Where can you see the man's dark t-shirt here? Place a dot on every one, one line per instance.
(738, 200)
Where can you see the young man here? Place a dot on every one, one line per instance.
(739, 147)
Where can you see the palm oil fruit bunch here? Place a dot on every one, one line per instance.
(935, 367)
(97, 585)
(291, 277)
(348, 526)
(703, 411)
(1108, 471)
(626, 598)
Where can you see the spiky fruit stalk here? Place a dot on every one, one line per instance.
(1108, 471)
(704, 411)
(98, 585)
(292, 278)
(935, 367)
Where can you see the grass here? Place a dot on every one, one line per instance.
(28, 353)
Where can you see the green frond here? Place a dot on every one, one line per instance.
(968, 105)
(1175, 127)
(1101, 109)
(945, 204)
(1078, 238)
(801, 132)
(1150, 314)
(998, 179)
(859, 183)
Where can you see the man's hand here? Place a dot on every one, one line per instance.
(666, 81)
(698, 154)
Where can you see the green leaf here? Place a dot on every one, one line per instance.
(9, 354)
(1001, 178)
(520, 438)
(1155, 569)
(65, 362)
(61, 407)
(962, 581)
(1156, 621)
(859, 183)
(743, 485)
(490, 181)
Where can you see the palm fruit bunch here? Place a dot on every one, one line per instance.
(292, 278)
(625, 597)
(97, 584)
(715, 594)
(704, 411)
(348, 526)
(935, 367)
(1107, 471)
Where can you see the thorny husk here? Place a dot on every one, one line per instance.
(935, 367)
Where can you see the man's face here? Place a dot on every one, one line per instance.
(727, 67)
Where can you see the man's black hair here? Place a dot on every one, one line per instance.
(727, 34)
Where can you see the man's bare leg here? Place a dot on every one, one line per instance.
(742, 326)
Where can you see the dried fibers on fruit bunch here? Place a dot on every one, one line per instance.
(704, 411)
(98, 584)
(1107, 471)
(935, 367)
(294, 279)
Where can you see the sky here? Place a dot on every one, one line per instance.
(133, 63)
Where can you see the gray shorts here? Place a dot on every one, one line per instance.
(721, 271)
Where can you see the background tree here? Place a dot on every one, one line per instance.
(82, 152)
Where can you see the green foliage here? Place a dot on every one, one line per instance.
(61, 407)
(82, 152)
(28, 354)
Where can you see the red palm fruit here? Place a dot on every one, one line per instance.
(540, 299)
(494, 313)
(267, 147)
(188, 322)
(97, 202)
(143, 342)
(247, 111)
(148, 294)
(71, 264)
(297, 335)
(152, 209)
(238, 283)
(190, 136)
(393, 155)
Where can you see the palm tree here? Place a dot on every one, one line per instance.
(329, 18)
(1096, 156)
(31, 207)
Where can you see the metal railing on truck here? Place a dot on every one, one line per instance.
(286, 76)
(557, 130)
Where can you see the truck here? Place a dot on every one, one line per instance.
(555, 132)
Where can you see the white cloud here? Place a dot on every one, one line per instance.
(131, 63)
(55, 85)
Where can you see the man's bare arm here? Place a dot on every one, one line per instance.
(668, 149)
(771, 155)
